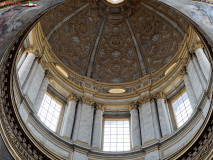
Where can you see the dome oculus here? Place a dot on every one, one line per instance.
(115, 1)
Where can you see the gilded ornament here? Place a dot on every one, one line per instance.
(195, 46)
(159, 95)
(44, 63)
(133, 105)
(100, 106)
(88, 100)
(183, 71)
(145, 99)
(35, 51)
(73, 97)
(48, 74)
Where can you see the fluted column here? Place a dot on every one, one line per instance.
(163, 114)
(97, 128)
(26, 66)
(42, 91)
(30, 77)
(148, 132)
(69, 115)
(135, 129)
(202, 59)
(21, 60)
(189, 89)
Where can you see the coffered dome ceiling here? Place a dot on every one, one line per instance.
(114, 43)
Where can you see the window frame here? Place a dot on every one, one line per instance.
(172, 100)
(111, 119)
(60, 119)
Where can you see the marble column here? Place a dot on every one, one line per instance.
(148, 132)
(163, 114)
(42, 91)
(97, 128)
(30, 77)
(26, 66)
(21, 60)
(69, 116)
(202, 59)
(189, 88)
(135, 129)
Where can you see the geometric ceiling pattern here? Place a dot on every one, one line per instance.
(114, 44)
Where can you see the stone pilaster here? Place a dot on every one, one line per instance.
(146, 120)
(135, 129)
(189, 89)
(163, 114)
(69, 115)
(30, 77)
(42, 91)
(25, 67)
(86, 120)
(77, 122)
(202, 59)
(199, 72)
(21, 60)
(97, 130)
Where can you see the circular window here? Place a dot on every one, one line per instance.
(115, 1)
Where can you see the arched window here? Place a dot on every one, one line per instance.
(49, 112)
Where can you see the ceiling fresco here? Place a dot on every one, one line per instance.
(111, 44)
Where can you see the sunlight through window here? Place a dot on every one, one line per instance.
(182, 109)
(116, 135)
(49, 112)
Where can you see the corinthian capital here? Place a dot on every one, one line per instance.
(35, 51)
(44, 63)
(133, 105)
(196, 45)
(100, 106)
(73, 97)
(48, 74)
(145, 99)
(88, 100)
(183, 71)
(159, 95)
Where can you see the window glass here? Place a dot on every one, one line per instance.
(49, 112)
(182, 109)
(116, 135)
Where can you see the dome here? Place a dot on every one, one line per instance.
(113, 43)
(106, 80)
